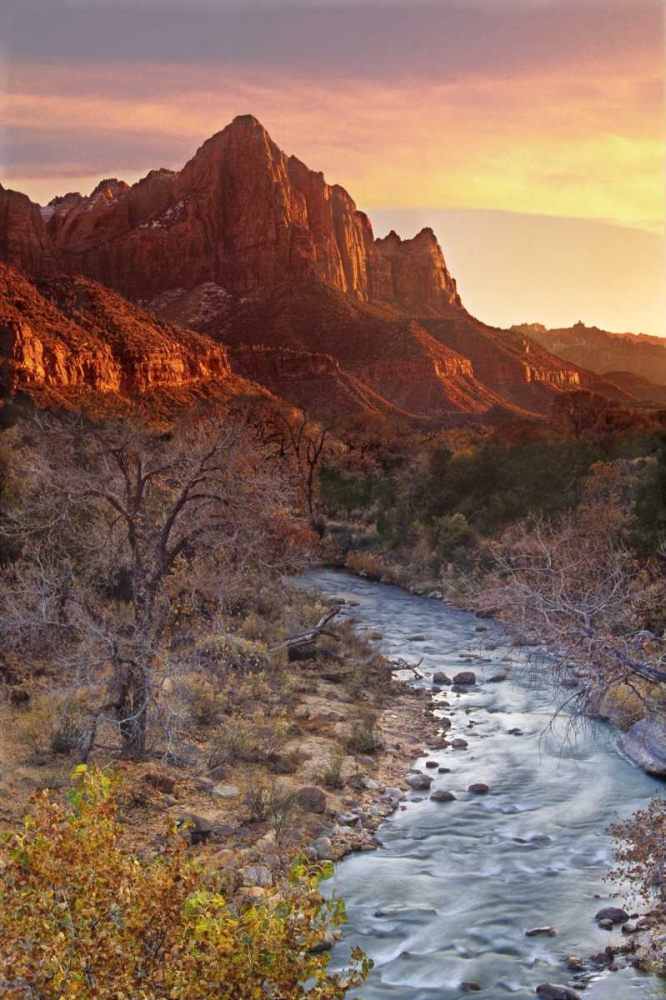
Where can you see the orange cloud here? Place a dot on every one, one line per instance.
(585, 142)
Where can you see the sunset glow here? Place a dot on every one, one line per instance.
(571, 130)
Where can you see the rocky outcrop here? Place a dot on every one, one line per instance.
(420, 283)
(645, 745)
(603, 352)
(72, 335)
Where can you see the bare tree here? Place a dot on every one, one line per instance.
(122, 529)
(301, 439)
(573, 583)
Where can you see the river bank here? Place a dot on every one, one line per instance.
(459, 880)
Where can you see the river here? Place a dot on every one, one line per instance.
(449, 896)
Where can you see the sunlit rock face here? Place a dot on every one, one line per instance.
(71, 333)
(240, 214)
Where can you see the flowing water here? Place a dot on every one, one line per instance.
(449, 896)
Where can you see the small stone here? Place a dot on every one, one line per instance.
(169, 800)
(196, 828)
(311, 799)
(606, 924)
(459, 743)
(470, 987)
(257, 875)
(574, 962)
(441, 678)
(432, 763)
(327, 941)
(498, 678)
(416, 638)
(225, 792)
(162, 782)
(443, 770)
(479, 788)
(541, 932)
(221, 831)
(205, 784)
(282, 763)
(442, 796)
(515, 731)
(376, 636)
(481, 628)
(322, 848)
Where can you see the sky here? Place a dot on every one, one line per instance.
(528, 133)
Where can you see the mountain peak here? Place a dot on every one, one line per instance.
(246, 121)
(244, 216)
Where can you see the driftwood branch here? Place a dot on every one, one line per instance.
(309, 638)
(400, 664)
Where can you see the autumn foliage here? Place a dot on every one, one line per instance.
(640, 851)
(80, 918)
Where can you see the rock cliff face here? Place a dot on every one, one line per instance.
(603, 352)
(240, 214)
(23, 237)
(70, 336)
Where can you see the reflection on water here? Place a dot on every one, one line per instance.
(449, 897)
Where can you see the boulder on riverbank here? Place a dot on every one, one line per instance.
(645, 745)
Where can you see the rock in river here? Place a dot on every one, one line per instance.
(440, 678)
(645, 745)
(465, 677)
(442, 796)
(612, 913)
(419, 781)
(549, 991)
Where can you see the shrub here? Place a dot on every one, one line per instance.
(363, 737)
(82, 918)
(55, 724)
(257, 801)
(199, 698)
(275, 803)
(366, 564)
(331, 777)
(250, 740)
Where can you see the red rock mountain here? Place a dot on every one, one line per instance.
(253, 249)
(240, 214)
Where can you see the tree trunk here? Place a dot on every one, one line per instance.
(132, 710)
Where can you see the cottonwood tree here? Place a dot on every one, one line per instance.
(122, 529)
